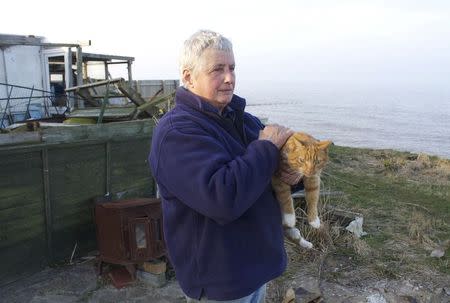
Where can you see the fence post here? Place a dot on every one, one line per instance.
(47, 202)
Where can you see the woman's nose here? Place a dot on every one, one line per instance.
(229, 76)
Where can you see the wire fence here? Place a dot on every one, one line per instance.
(20, 103)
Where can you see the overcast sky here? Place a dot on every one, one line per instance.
(405, 42)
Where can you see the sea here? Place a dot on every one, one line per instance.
(405, 118)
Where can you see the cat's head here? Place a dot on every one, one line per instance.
(306, 154)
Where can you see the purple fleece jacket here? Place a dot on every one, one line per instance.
(222, 222)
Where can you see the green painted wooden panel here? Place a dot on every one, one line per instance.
(22, 214)
(77, 174)
(20, 179)
(25, 257)
(129, 168)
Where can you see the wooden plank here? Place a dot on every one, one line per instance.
(19, 260)
(323, 193)
(22, 227)
(20, 138)
(77, 174)
(110, 112)
(23, 211)
(341, 216)
(85, 95)
(20, 179)
(95, 84)
(136, 98)
(14, 233)
(128, 162)
(74, 218)
(79, 57)
(77, 135)
(110, 131)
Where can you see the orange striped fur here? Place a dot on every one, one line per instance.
(308, 156)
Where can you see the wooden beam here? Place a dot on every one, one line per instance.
(102, 57)
(80, 74)
(130, 74)
(20, 138)
(79, 66)
(84, 93)
(99, 83)
(69, 77)
(31, 43)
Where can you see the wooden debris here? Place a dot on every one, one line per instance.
(323, 193)
(110, 113)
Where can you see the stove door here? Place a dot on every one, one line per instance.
(140, 240)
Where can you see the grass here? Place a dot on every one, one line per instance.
(405, 201)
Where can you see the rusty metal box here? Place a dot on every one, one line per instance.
(129, 231)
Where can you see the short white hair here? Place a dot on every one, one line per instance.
(194, 47)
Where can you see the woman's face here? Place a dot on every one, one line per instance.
(213, 79)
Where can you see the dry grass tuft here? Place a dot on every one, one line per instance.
(424, 160)
(360, 247)
(324, 237)
(419, 227)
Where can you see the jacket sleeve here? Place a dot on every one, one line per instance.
(194, 167)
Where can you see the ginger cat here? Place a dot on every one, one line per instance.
(307, 156)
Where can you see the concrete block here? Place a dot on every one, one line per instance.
(155, 280)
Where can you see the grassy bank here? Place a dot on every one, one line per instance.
(405, 200)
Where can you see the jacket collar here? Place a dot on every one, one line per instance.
(185, 97)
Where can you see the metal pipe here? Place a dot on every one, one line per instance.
(28, 105)
(6, 107)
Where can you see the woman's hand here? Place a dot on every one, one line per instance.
(276, 134)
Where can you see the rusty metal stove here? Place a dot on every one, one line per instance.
(129, 232)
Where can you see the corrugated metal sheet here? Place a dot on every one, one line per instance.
(149, 88)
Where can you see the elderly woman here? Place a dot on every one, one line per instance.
(213, 163)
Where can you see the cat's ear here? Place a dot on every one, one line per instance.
(289, 145)
(324, 144)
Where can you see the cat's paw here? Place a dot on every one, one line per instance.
(289, 220)
(293, 234)
(315, 223)
(305, 244)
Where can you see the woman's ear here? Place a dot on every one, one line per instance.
(187, 78)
